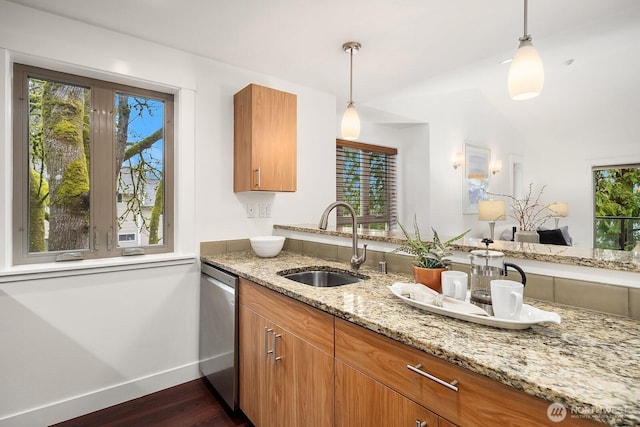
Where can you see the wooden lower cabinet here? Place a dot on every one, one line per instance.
(285, 380)
(462, 397)
(364, 402)
(300, 366)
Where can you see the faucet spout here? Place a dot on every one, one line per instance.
(356, 260)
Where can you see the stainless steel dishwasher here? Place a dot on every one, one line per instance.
(218, 352)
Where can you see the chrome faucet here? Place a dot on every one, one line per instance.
(356, 260)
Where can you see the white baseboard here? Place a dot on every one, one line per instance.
(102, 398)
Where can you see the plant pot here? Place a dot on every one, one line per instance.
(429, 277)
(527, 236)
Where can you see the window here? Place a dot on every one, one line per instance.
(366, 179)
(92, 161)
(617, 206)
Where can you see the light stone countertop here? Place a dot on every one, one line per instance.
(568, 255)
(590, 362)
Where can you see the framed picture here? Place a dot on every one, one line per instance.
(476, 177)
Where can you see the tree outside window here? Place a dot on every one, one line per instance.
(617, 207)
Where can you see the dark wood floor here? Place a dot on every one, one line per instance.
(191, 404)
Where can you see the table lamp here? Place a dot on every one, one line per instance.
(492, 211)
(558, 210)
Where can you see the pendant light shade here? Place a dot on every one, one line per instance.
(526, 74)
(350, 123)
(350, 120)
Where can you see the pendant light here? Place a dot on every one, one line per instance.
(350, 119)
(526, 74)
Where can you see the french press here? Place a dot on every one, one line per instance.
(488, 265)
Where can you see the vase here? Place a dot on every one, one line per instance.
(429, 277)
(527, 236)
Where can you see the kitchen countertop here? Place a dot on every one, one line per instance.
(590, 362)
(568, 255)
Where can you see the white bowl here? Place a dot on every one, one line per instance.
(267, 246)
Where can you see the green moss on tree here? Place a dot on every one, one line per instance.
(75, 185)
(38, 200)
(67, 131)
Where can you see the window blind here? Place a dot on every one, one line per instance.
(366, 179)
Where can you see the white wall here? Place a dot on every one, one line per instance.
(74, 344)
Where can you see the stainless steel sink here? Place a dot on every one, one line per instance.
(322, 277)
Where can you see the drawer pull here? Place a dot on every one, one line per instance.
(417, 370)
(267, 352)
(421, 423)
(275, 351)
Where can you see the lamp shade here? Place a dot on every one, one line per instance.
(350, 123)
(491, 210)
(558, 209)
(526, 74)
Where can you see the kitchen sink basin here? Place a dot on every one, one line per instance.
(322, 277)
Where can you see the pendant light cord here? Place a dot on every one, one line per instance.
(526, 8)
(351, 76)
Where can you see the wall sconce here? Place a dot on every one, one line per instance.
(458, 160)
(492, 211)
(558, 210)
(496, 166)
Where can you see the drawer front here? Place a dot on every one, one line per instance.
(311, 324)
(386, 361)
(478, 401)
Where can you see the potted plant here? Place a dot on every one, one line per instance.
(429, 259)
(530, 214)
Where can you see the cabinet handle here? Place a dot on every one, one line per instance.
(421, 423)
(275, 351)
(259, 176)
(417, 370)
(267, 352)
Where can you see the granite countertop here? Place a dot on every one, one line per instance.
(569, 255)
(589, 362)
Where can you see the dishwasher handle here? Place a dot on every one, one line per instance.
(220, 275)
(230, 293)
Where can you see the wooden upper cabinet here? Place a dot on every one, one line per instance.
(265, 133)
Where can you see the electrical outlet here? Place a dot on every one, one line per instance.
(251, 210)
(265, 210)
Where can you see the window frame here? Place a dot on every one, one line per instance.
(390, 217)
(103, 235)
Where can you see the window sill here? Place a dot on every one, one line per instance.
(94, 266)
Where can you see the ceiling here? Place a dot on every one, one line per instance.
(405, 43)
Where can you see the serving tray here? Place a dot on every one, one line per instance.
(420, 296)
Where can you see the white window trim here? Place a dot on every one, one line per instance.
(52, 270)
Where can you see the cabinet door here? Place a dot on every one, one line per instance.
(362, 401)
(304, 383)
(255, 368)
(284, 379)
(265, 133)
(273, 144)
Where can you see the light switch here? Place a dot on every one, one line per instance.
(265, 210)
